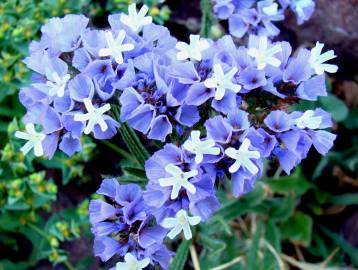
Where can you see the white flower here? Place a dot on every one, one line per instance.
(181, 222)
(243, 157)
(94, 116)
(135, 20)
(264, 55)
(300, 5)
(200, 148)
(34, 139)
(271, 10)
(222, 81)
(116, 46)
(317, 59)
(308, 120)
(178, 180)
(193, 49)
(131, 263)
(57, 84)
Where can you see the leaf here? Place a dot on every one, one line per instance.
(281, 207)
(335, 106)
(214, 245)
(179, 260)
(298, 228)
(345, 199)
(8, 222)
(351, 122)
(294, 183)
(242, 205)
(344, 245)
(272, 234)
(6, 264)
(252, 255)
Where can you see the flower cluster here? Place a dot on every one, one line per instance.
(124, 227)
(221, 109)
(258, 16)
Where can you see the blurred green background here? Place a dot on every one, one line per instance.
(308, 220)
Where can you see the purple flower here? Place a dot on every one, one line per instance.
(59, 33)
(278, 121)
(252, 78)
(223, 9)
(125, 224)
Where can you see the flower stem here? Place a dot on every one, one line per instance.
(206, 18)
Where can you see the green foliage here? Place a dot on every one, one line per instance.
(250, 232)
(26, 192)
(179, 260)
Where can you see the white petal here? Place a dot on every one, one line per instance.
(187, 232)
(189, 187)
(174, 232)
(195, 220)
(235, 167)
(231, 152)
(175, 191)
(22, 135)
(169, 223)
(248, 164)
(210, 83)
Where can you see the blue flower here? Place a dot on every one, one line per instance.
(125, 224)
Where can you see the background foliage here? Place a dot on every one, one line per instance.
(307, 220)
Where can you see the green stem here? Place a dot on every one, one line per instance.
(38, 230)
(134, 144)
(206, 18)
(69, 265)
(131, 139)
(116, 149)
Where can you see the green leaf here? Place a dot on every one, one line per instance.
(8, 222)
(345, 199)
(344, 245)
(272, 234)
(179, 260)
(215, 246)
(254, 248)
(335, 106)
(298, 228)
(351, 122)
(240, 206)
(6, 264)
(295, 183)
(281, 208)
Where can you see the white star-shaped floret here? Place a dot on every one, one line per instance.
(132, 263)
(57, 84)
(115, 46)
(271, 10)
(181, 222)
(264, 55)
(135, 20)
(193, 49)
(317, 60)
(199, 147)
(94, 116)
(222, 81)
(243, 157)
(308, 120)
(178, 180)
(34, 139)
(300, 5)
